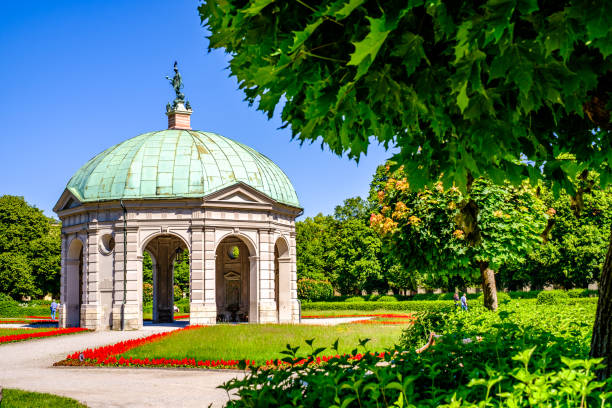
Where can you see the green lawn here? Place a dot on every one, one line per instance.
(12, 398)
(263, 342)
(8, 332)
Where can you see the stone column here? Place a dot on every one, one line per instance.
(253, 289)
(267, 303)
(295, 307)
(91, 308)
(284, 290)
(129, 311)
(61, 312)
(203, 299)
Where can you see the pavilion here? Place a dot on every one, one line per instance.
(170, 191)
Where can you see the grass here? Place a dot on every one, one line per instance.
(9, 332)
(13, 398)
(263, 342)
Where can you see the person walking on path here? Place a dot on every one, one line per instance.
(456, 300)
(53, 309)
(464, 302)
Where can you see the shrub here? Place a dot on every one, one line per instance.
(353, 299)
(409, 305)
(519, 294)
(178, 293)
(147, 292)
(552, 297)
(314, 290)
(502, 297)
(522, 356)
(581, 293)
(8, 306)
(183, 305)
(387, 298)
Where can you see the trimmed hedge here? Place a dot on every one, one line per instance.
(502, 297)
(8, 306)
(573, 293)
(552, 297)
(314, 290)
(183, 305)
(410, 306)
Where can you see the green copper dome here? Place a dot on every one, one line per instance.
(177, 164)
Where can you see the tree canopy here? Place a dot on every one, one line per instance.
(448, 233)
(29, 250)
(480, 87)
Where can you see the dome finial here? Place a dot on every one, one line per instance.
(179, 111)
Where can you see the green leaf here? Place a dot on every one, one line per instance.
(598, 19)
(347, 9)
(367, 49)
(301, 36)
(462, 98)
(256, 7)
(410, 49)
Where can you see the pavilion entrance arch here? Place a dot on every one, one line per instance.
(235, 280)
(74, 284)
(282, 280)
(163, 248)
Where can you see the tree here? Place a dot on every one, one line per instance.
(355, 258)
(16, 278)
(575, 246)
(498, 89)
(181, 271)
(32, 242)
(428, 230)
(313, 239)
(353, 208)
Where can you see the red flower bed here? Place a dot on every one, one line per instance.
(28, 321)
(26, 336)
(39, 317)
(379, 322)
(357, 315)
(183, 316)
(107, 355)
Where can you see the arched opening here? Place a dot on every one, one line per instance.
(164, 259)
(282, 280)
(233, 282)
(74, 283)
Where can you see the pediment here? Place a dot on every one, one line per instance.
(239, 193)
(66, 202)
(231, 276)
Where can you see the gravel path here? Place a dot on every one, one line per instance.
(28, 365)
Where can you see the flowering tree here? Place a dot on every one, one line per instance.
(432, 232)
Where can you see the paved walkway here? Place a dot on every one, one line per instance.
(28, 365)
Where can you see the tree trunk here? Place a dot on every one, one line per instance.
(601, 342)
(489, 289)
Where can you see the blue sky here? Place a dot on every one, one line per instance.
(78, 77)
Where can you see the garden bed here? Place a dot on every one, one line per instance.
(26, 321)
(13, 335)
(232, 346)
